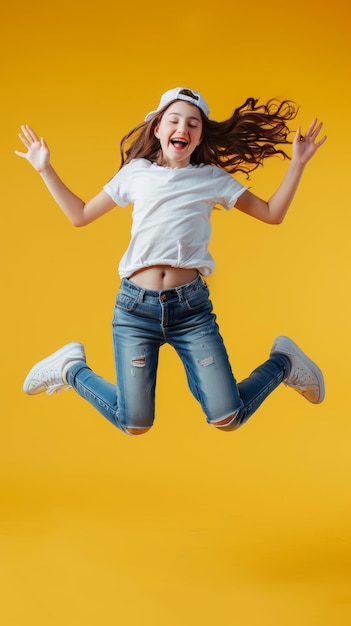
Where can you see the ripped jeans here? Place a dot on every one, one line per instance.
(143, 321)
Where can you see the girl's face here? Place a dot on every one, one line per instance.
(179, 132)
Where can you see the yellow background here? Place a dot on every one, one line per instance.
(187, 525)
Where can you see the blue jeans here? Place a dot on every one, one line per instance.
(143, 321)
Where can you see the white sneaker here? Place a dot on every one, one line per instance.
(50, 374)
(305, 376)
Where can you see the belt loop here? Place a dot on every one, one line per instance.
(179, 291)
(141, 295)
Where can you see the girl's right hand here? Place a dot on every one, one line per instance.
(38, 153)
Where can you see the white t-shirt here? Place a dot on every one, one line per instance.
(171, 215)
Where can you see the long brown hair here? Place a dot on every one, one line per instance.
(253, 133)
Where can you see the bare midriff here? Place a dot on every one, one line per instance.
(159, 277)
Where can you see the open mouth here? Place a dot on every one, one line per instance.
(179, 143)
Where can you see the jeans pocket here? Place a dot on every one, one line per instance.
(199, 299)
(126, 303)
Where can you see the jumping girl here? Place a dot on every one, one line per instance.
(176, 166)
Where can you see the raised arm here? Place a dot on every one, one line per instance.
(78, 212)
(274, 210)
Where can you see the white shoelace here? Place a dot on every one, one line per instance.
(302, 380)
(52, 379)
(57, 388)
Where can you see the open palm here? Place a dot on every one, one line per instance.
(305, 146)
(38, 153)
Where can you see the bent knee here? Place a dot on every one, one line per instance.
(137, 431)
(228, 423)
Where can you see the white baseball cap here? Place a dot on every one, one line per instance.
(180, 93)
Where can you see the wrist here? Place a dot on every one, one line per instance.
(45, 170)
(296, 165)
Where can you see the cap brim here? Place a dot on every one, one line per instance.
(150, 116)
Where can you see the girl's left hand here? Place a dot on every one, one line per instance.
(305, 146)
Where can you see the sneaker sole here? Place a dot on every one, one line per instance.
(288, 346)
(74, 345)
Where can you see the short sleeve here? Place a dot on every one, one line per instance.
(118, 187)
(227, 187)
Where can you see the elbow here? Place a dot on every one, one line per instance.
(78, 221)
(276, 213)
(78, 217)
(277, 220)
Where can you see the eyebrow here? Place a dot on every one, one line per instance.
(188, 117)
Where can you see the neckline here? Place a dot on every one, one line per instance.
(173, 169)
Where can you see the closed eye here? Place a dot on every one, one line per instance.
(190, 124)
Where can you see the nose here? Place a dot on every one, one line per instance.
(182, 127)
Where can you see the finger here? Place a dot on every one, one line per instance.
(311, 127)
(314, 134)
(21, 154)
(321, 141)
(29, 133)
(298, 137)
(317, 131)
(24, 140)
(313, 130)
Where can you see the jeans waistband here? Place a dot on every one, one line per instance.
(177, 293)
